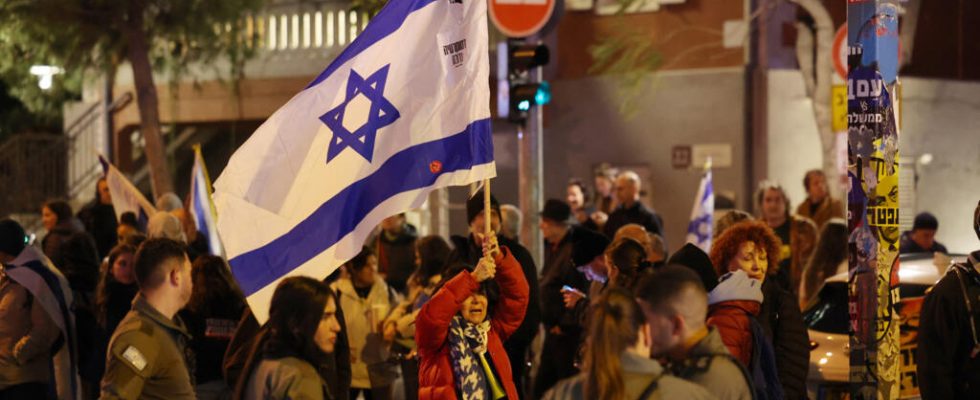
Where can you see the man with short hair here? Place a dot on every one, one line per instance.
(922, 237)
(948, 357)
(675, 305)
(148, 355)
(819, 206)
(630, 209)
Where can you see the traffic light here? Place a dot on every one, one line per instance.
(517, 91)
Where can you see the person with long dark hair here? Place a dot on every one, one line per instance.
(113, 300)
(617, 362)
(828, 259)
(301, 330)
(211, 317)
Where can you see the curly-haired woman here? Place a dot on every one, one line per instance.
(752, 247)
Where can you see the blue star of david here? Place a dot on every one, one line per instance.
(382, 113)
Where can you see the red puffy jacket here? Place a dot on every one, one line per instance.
(432, 328)
(732, 320)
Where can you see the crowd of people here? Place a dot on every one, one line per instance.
(112, 308)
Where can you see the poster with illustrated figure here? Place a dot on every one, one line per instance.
(873, 208)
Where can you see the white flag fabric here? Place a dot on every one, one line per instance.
(699, 230)
(403, 110)
(201, 206)
(125, 196)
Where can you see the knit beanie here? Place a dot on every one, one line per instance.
(474, 206)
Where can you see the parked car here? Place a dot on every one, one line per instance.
(828, 319)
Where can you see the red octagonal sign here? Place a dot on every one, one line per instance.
(520, 18)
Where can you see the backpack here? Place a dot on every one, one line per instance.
(762, 366)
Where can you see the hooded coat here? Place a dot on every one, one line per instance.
(436, 380)
(730, 305)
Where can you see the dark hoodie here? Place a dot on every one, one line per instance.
(396, 256)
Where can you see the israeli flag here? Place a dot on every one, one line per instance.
(702, 219)
(403, 110)
(125, 196)
(201, 206)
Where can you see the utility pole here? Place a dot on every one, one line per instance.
(872, 211)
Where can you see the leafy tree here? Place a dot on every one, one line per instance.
(86, 36)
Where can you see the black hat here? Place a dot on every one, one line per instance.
(12, 237)
(976, 220)
(474, 206)
(693, 257)
(557, 210)
(925, 221)
(587, 245)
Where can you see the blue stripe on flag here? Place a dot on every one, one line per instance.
(385, 23)
(340, 215)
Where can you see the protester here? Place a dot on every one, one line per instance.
(692, 257)
(148, 355)
(562, 326)
(728, 219)
(577, 196)
(676, 305)
(819, 206)
(752, 247)
(948, 357)
(510, 224)
(605, 185)
(798, 236)
(128, 226)
(27, 331)
(617, 364)
(829, 259)
(431, 254)
(70, 249)
(168, 202)
(653, 243)
(589, 253)
(163, 224)
(395, 247)
(461, 350)
(626, 260)
(468, 250)
(301, 331)
(366, 300)
(630, 209)
(922, 237)
(99, 218)
(211, 317)
(113, 300)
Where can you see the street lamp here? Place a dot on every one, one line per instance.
(44, 74)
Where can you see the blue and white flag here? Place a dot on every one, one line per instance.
(201, 206)
(702, 219)
(35, 272)
(403, 110)
(125, 196)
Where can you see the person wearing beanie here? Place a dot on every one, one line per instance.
(32, 319)
(691, 256)
(922, 237)
(469, 249)
(948, 357)
(562, 325)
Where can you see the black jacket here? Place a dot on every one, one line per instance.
(782, 321)
(465, 250)
(908, 246)
(73, 252)
(637, 214)
(396, 257)
(100, 222)
(944, 366)
(559, 270)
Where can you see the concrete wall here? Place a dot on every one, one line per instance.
(794, 144)
(584, 128)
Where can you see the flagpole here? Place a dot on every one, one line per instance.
(486, 207)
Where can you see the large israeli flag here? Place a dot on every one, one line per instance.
(200, 205)
(125, 196)
(700, 228)
(403, 110)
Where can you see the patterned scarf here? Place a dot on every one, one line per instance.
(466, 342)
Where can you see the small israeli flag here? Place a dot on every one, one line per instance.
(403, 110)
(702, 219)
(201, 206)
(125, 196)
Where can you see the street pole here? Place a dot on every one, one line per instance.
(872, 210)
(530, 169)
